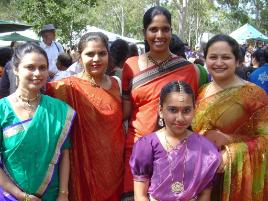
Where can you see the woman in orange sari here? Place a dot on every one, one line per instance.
(233, 114)
(143, 78)
(98, 138)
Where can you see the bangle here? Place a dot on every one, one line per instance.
(64, 192)
(26, 197)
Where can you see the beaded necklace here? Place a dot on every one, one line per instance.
(161, 63)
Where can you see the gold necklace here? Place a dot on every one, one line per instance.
(161, 63)
(84, 75)
(25, 103)
(176, 186)
(28, 100)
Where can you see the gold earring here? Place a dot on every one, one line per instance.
(16, 81)
(160, 122)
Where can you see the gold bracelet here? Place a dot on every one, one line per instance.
(27, 197)
(64, 192)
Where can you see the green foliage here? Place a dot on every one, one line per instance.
(66, 15)
(125, 16)
(246, 11)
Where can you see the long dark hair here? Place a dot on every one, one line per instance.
(148, 18)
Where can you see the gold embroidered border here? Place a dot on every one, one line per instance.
(56, 156)
(16, 129)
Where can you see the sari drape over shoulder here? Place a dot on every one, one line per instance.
(31, 148)
(98, 139)
(192, 162)
(142, 89)
(242, 113)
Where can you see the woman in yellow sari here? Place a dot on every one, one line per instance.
(233, 114)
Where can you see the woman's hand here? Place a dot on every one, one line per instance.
(62, 197)
(218, 138)
(224, 156)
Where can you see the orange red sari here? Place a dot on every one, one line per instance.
(98, 139)
(143, 88)
(242, 113)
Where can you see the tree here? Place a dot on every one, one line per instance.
(5, 7)
(120, 16)
(247, 11)
(67, 16)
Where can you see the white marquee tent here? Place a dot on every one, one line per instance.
(111, 36)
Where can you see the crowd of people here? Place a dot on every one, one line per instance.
(106, 123)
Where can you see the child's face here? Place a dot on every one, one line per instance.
(177, 112)
(60, 66)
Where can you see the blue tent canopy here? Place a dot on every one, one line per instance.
(248, 32)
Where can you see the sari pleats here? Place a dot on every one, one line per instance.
(240, 112)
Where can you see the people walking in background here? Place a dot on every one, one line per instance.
(34, 134)
(119, 53)
(7, 81)
(51, 46)
(233, 114)
(260, 75)
(178, 47)
(133, 50)
(64, 61)
(163, 163)
(143, 78)
(98, 136)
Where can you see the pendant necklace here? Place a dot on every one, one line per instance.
(161, 63)
(28, 100)
(176, 186)
(27, 103)
(89, 78)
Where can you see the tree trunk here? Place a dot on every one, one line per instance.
(182, 15)
(122, 21)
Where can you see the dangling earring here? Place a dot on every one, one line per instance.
(160, 122)
(16, 81)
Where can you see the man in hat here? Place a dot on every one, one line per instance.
(52, 48)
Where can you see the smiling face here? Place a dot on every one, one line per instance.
(95, 58)
(177, 111)
(48, 37)
(32, 71)
(158, 34)
(221, 62)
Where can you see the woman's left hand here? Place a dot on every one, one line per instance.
(62, 197)
(218, 138)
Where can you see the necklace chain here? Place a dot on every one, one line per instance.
(177, 186)
(25, 103)
(28, 100)
(161, 63)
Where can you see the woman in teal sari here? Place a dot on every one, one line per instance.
(34, 132)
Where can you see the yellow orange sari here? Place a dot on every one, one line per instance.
(242, 113)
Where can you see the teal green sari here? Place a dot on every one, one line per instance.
(31, 149)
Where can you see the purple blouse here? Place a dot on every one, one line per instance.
(4, 196)
(192, 162)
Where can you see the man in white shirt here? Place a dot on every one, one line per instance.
(52, 48)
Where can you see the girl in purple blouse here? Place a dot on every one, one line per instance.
(173, 163)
